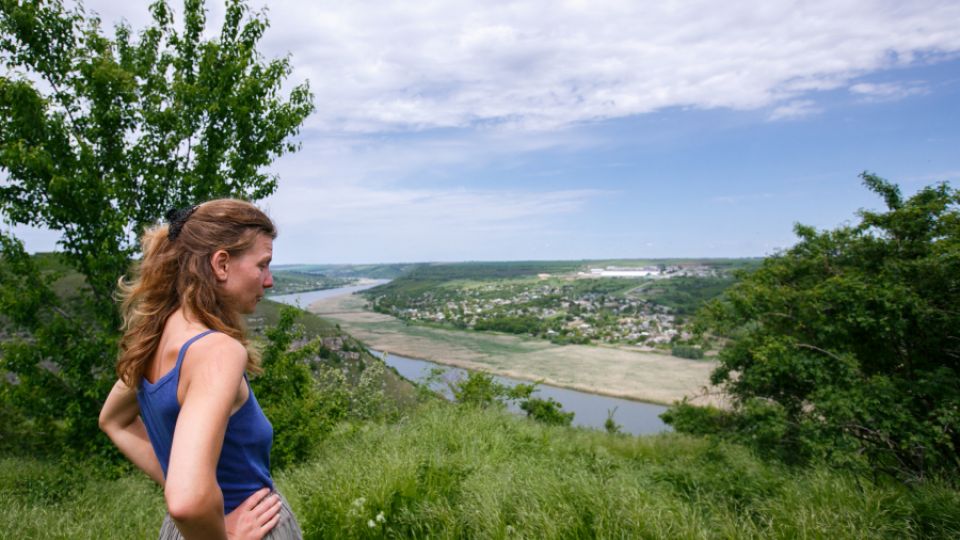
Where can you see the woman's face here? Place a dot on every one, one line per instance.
(248, 275)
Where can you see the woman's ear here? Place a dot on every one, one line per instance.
(220, 263)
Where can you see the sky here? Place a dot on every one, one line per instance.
(519, 130)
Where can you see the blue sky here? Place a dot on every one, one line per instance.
(569, 130)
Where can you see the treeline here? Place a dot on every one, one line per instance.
(290, 282)
(510, 325)
(427, 277)
(373, 271)
(685, 294)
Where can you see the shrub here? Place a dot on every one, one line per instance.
(548, 411)
(687, 351)
(844, 346)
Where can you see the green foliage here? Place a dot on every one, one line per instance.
(480, 389)
(547, 411)
(610, 425)
(422, 278)
(52, 362)
(291, 282)
(98, 137)
(50, 499)
(845, 345)
(687, 351)
(291, 397)
(686, 294)
(352, 271)
(305, 395)
(510, 325)
(469, 472)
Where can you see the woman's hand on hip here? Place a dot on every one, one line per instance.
(255, 517)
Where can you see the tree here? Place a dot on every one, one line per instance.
(98, 137)
(547, 411)
(846, 345)
(291, 397)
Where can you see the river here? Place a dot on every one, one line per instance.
(590, 410)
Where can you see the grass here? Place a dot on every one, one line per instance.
(454, 472)
(458, 473)
(42, 500)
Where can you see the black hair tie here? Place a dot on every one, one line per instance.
(177, 217)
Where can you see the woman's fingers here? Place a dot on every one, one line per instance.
(266, 512)
(268, 526)
(255, 499)
(256, 516)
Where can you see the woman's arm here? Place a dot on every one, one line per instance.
(120, 420)
(210, 376)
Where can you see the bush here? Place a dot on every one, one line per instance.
(687, 351)
(510, 325)
(548, 411)
(290, 395)
(844, 346)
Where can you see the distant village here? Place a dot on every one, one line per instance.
(554, 312)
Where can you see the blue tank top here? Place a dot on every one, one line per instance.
(244, 464)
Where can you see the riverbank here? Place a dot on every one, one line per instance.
(628, 374)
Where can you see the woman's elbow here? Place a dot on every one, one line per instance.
(183, 508)
(110, 424)
(107, 424)
(187, 505)
(104, 422)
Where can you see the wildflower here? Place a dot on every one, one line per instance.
(371, 524)
(356, 507)
(381, 518)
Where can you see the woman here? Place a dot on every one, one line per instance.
(182, 409)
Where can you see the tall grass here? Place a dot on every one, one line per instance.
(44, 500)
(451, 472)
(454, 472)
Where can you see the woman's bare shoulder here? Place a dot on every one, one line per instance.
(216, 350)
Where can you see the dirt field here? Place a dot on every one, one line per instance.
(616, 372)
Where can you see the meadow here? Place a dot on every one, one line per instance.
(454, 471)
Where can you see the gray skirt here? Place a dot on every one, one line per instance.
(286, 529)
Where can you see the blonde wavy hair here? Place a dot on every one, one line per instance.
(175, 270)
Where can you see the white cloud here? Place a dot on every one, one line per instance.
(888, 91)
(350, 223)
(536, 64)
(348, 206)
(412, 95)
(794, 109)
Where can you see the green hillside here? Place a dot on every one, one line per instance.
(459, 472)
(396, 388)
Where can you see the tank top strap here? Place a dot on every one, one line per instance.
(183, 350)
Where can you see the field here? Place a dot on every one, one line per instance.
(619, 372)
